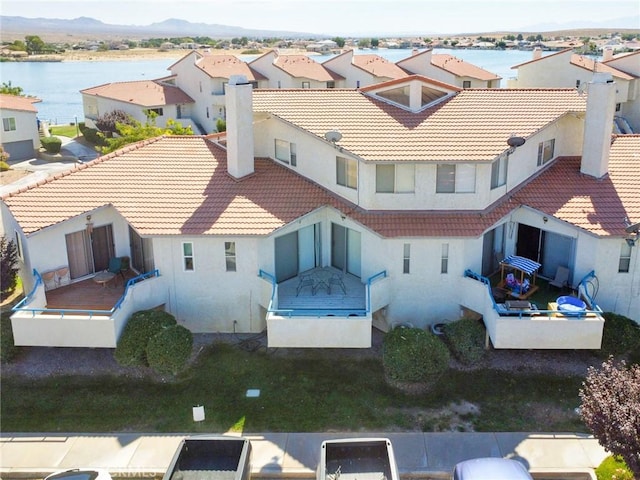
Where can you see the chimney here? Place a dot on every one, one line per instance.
(537, 53)
(598, 125)
(239, 103)
(607, 54)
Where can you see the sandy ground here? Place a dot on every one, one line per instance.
(141, 54)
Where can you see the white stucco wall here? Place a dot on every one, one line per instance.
(26, 127)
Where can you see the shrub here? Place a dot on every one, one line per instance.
(613, 468)
(620, 337)
(7, 349)
(8, 266)
(51, 144)
(465, 338)
(221, 125)
(141, 327)
(92, 135)
(4, 166)
(169, 350)
(413, 355)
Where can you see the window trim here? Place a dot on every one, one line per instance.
(396, 175)
(444, 259)
(454, 180)
(9, 124)
(499, 170)
(545, 155)
(186, 257)
(290, 157)
(624, 262)
(230, 257)
(350, 174)
(406, 258)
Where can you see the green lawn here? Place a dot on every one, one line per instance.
(298, 394)
(70, 131)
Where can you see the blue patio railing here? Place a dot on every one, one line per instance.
(63, 311)
(315, 312)
(527, 313)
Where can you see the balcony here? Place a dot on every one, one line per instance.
(533, 328)
(84, 313)
(311, 311)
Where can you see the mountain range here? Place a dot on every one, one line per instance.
(12, 28)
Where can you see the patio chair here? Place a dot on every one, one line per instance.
(336, 279)
(561, 279)
(305, 281)
(115, 266)
(49, 279)
(63, 277)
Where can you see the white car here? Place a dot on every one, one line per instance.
(80, 474)
(491, 468)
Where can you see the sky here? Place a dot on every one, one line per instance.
(345, 17)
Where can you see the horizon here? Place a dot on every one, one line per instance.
(336, 17)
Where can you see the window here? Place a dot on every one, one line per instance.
(306, 84)
(499, 171)
(406, 258)
(18, 242)
(444, 261)
(347, 172)
(159, 111)
(395, 178)
(286, 152)
(578, 83)
(618, 107)
(230, 256)
(456, 178)
(466, 84)
(545, 151)
(9, 124)
(625, 258)
(331, 84)
(187, 256)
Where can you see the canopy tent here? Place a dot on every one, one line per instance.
(519, 285)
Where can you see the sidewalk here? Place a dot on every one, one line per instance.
(295, 455)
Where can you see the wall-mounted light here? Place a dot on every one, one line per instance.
(630, 241)
(89, 227)
(545, 219)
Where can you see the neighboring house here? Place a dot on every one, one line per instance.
(295, 71)
(330, 211)
(566, 69)
(363, 70)
(135, 98)
(324, 46)
(203, 77)
(19, 133)
(449, 69)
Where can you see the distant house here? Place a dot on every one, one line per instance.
(449, 69)
(566, 69)
(327, 212)
(324, 46)
(295, 71)
(19, 133)
(136, 98)
(363, 70)
(203, 77)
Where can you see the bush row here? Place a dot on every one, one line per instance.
(51, 144)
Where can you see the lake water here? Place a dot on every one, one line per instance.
(58, 84)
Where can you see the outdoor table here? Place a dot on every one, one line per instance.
(103, 278)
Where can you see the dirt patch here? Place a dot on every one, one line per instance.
(12, 175)
(455, 417)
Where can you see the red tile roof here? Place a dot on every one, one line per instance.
(224, 66)
(146, 93)
(460, 68)
(179, 186)
(473, 125)
(15, 102)
(301, 66)
(378, 66)
(597, 206)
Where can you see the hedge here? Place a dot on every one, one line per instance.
(169, 350)
(414, 355)
(51, 144)
(140, 328)
(465, 338)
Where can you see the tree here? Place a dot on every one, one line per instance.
(363, 43)
(34, 44)
(108, 122)
(8, 266)
(375, 42)
(9, 89)
(339, 41)
(611, 409)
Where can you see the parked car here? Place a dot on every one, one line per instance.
(491, 468)
(80, 474)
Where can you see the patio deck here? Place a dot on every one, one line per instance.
(88, 295)
(324, 298)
